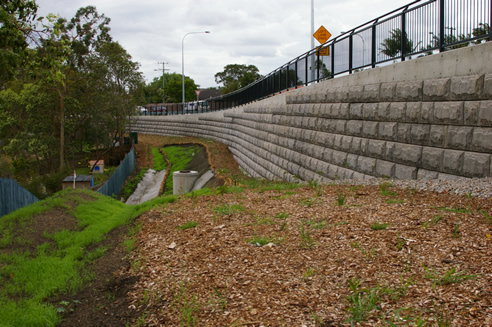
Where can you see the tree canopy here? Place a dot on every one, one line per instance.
(171, 89)
(69, 87)
(236, 76)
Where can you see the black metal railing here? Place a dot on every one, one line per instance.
(417, 29)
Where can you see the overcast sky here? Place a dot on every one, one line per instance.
(264, 33)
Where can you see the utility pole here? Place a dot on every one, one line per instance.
(163, 80)
(312, 40)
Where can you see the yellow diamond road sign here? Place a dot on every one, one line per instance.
(322, 35)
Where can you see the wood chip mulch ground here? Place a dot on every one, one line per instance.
(301, 257)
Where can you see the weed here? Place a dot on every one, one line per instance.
(379, 226)
(436, 219)
(281, 215)
(400, 242)
(487, 217)
(395, 201)
(315, 224)
(362, 301)
(371, 255)
(129, 244)
(218, 300)
(229, 209)
(188, 306)
(187, 225)
(308, 202)
(309, 274)
(261, 240)
(450, 276)
(456, 230)
(265, 221)
(306, 240)
(384, 189)
(442, 316)
(342, 223)
(341, 196)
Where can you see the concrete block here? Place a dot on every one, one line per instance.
(387, 92)
(371, 93)
(340, 126)
(383, 111)
(448, 113)
(437, 136)
(408, 154)
(388, 131)
(370, 111)
(356, 93)
(420, 134)
(426, 112)
(471, 111)
(409, 91)
(482, 139)
(370, 129)
(476, 164)
(487, 87)
(327, 155)
(366, 165)
(397, 111)
(363, 146)
(466, 87)
(376, 149)
(355, 146)
(413, 112)
(424, 174)
(459, 137)
(346, 143)
(453, 162)
(390, 150)
(356, 111)
(404, 133)
(339, 158)
(344, 111)
(325, 110)
(385, 168)
(485, 114)
(405, 172)
(436, 89)
(354, 127)
(432, 158)
(351, 161)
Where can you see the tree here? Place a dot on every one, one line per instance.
(173, 90)
(392, 46)
(17, 20)
(235, 76)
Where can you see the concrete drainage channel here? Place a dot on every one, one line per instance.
(184, 181)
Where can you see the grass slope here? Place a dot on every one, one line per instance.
(38, 261)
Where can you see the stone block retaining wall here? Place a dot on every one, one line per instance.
(404, 129)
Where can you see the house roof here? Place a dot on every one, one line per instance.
(99, 162)
(79, 178)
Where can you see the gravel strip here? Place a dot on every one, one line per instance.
(476, 187)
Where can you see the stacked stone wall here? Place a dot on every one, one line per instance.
(415, 129)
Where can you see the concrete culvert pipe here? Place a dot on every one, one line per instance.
(183, 181)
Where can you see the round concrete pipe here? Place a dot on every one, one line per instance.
(183, 181)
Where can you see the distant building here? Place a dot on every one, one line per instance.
(81, 181)
(99, 169)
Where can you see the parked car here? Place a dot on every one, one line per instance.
(158, 110)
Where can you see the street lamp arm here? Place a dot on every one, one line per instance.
(182, 63)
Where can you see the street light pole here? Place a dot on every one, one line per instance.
(182, 64)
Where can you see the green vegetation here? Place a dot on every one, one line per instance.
(379, 226)
(159, 160)
(56, 266)
(259, 240)
(132, 184)
(455, 210)
(187, 225)
(450, 276)
(385, 189)
(341, 196)
(229, 209)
